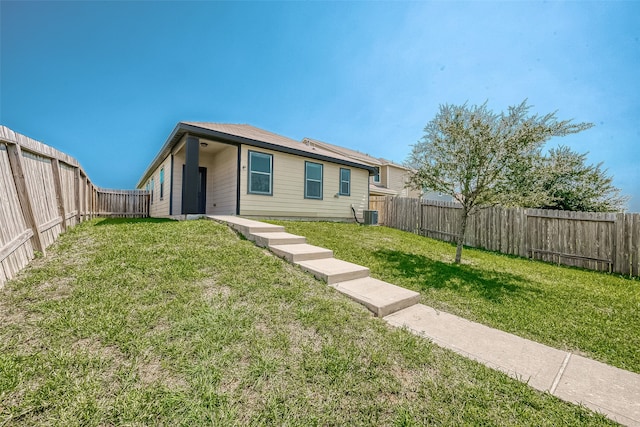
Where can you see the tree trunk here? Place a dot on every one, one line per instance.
(463, 228)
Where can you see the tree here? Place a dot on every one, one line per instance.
(562, 180)
(573, 185)
(473, 154)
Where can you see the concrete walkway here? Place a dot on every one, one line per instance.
(611, 391)
(603, 388)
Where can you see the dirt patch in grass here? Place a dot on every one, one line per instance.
(303, 338)
(56, 289)
(212, 291)
(95, 348)
(13, 314)
(152, 371)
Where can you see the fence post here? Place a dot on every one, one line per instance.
(76, 190)
(15, 160)
(92, 195)
(87, 199)
(55, 168)
(618, 244)
(634, 242)
(421, 213)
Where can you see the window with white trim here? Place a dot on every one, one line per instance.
(345, 182)
(376, 177)
(312, 180)
(260, 173)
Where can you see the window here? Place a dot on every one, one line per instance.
(260, 173)
(151, 188)
(312, 180)
(161, 183)
(376, 177)
(345, 182)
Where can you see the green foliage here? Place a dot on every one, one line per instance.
(573, 185)
(472, 153)
(562, 180)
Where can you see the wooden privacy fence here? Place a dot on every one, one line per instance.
(592, 240)
(378, 203)
(43, 192)
(122, 203)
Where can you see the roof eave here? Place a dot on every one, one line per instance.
(235, 139)
(182, 128)
(162, 154)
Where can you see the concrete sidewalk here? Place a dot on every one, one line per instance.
(603, 388)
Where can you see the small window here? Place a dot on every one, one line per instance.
(345, 182)
(151, 188)
(312, 180)
(260, 173)
(161, 183)
(376, 177)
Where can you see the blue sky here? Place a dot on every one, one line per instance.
(106, 82)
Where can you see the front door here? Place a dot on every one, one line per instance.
(201, 190)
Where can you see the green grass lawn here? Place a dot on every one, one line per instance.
(590, 313)
(143, 322)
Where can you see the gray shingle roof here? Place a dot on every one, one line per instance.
(354, 154)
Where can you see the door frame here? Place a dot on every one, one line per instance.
(200, 195)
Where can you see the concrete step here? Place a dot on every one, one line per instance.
(380, 297)
(300, 252)
(276, 238)
(333, 270)
(247, 226)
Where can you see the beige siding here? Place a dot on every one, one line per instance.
(384, 177)
(160, 206)
(288, 190)
(397, 179)
(222, 180)
(208, 162)
(414, 193)
(178, 162)
(162, 203)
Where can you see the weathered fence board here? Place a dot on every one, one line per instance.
(377, 203)
(592, 240)
(572, 238)
(42, 192)
(15, 245)
(42, 195)
(405, 214)
(67, 178)
(122, 203)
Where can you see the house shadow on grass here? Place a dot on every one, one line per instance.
(116, 221)
(466, 279)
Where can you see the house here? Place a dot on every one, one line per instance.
(238, 169)
(390, 178)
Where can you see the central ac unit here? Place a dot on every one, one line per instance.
(370, 217)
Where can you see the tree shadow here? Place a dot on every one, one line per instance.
(459, 278)
(116, 221)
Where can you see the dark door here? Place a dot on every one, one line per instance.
(201, 190)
